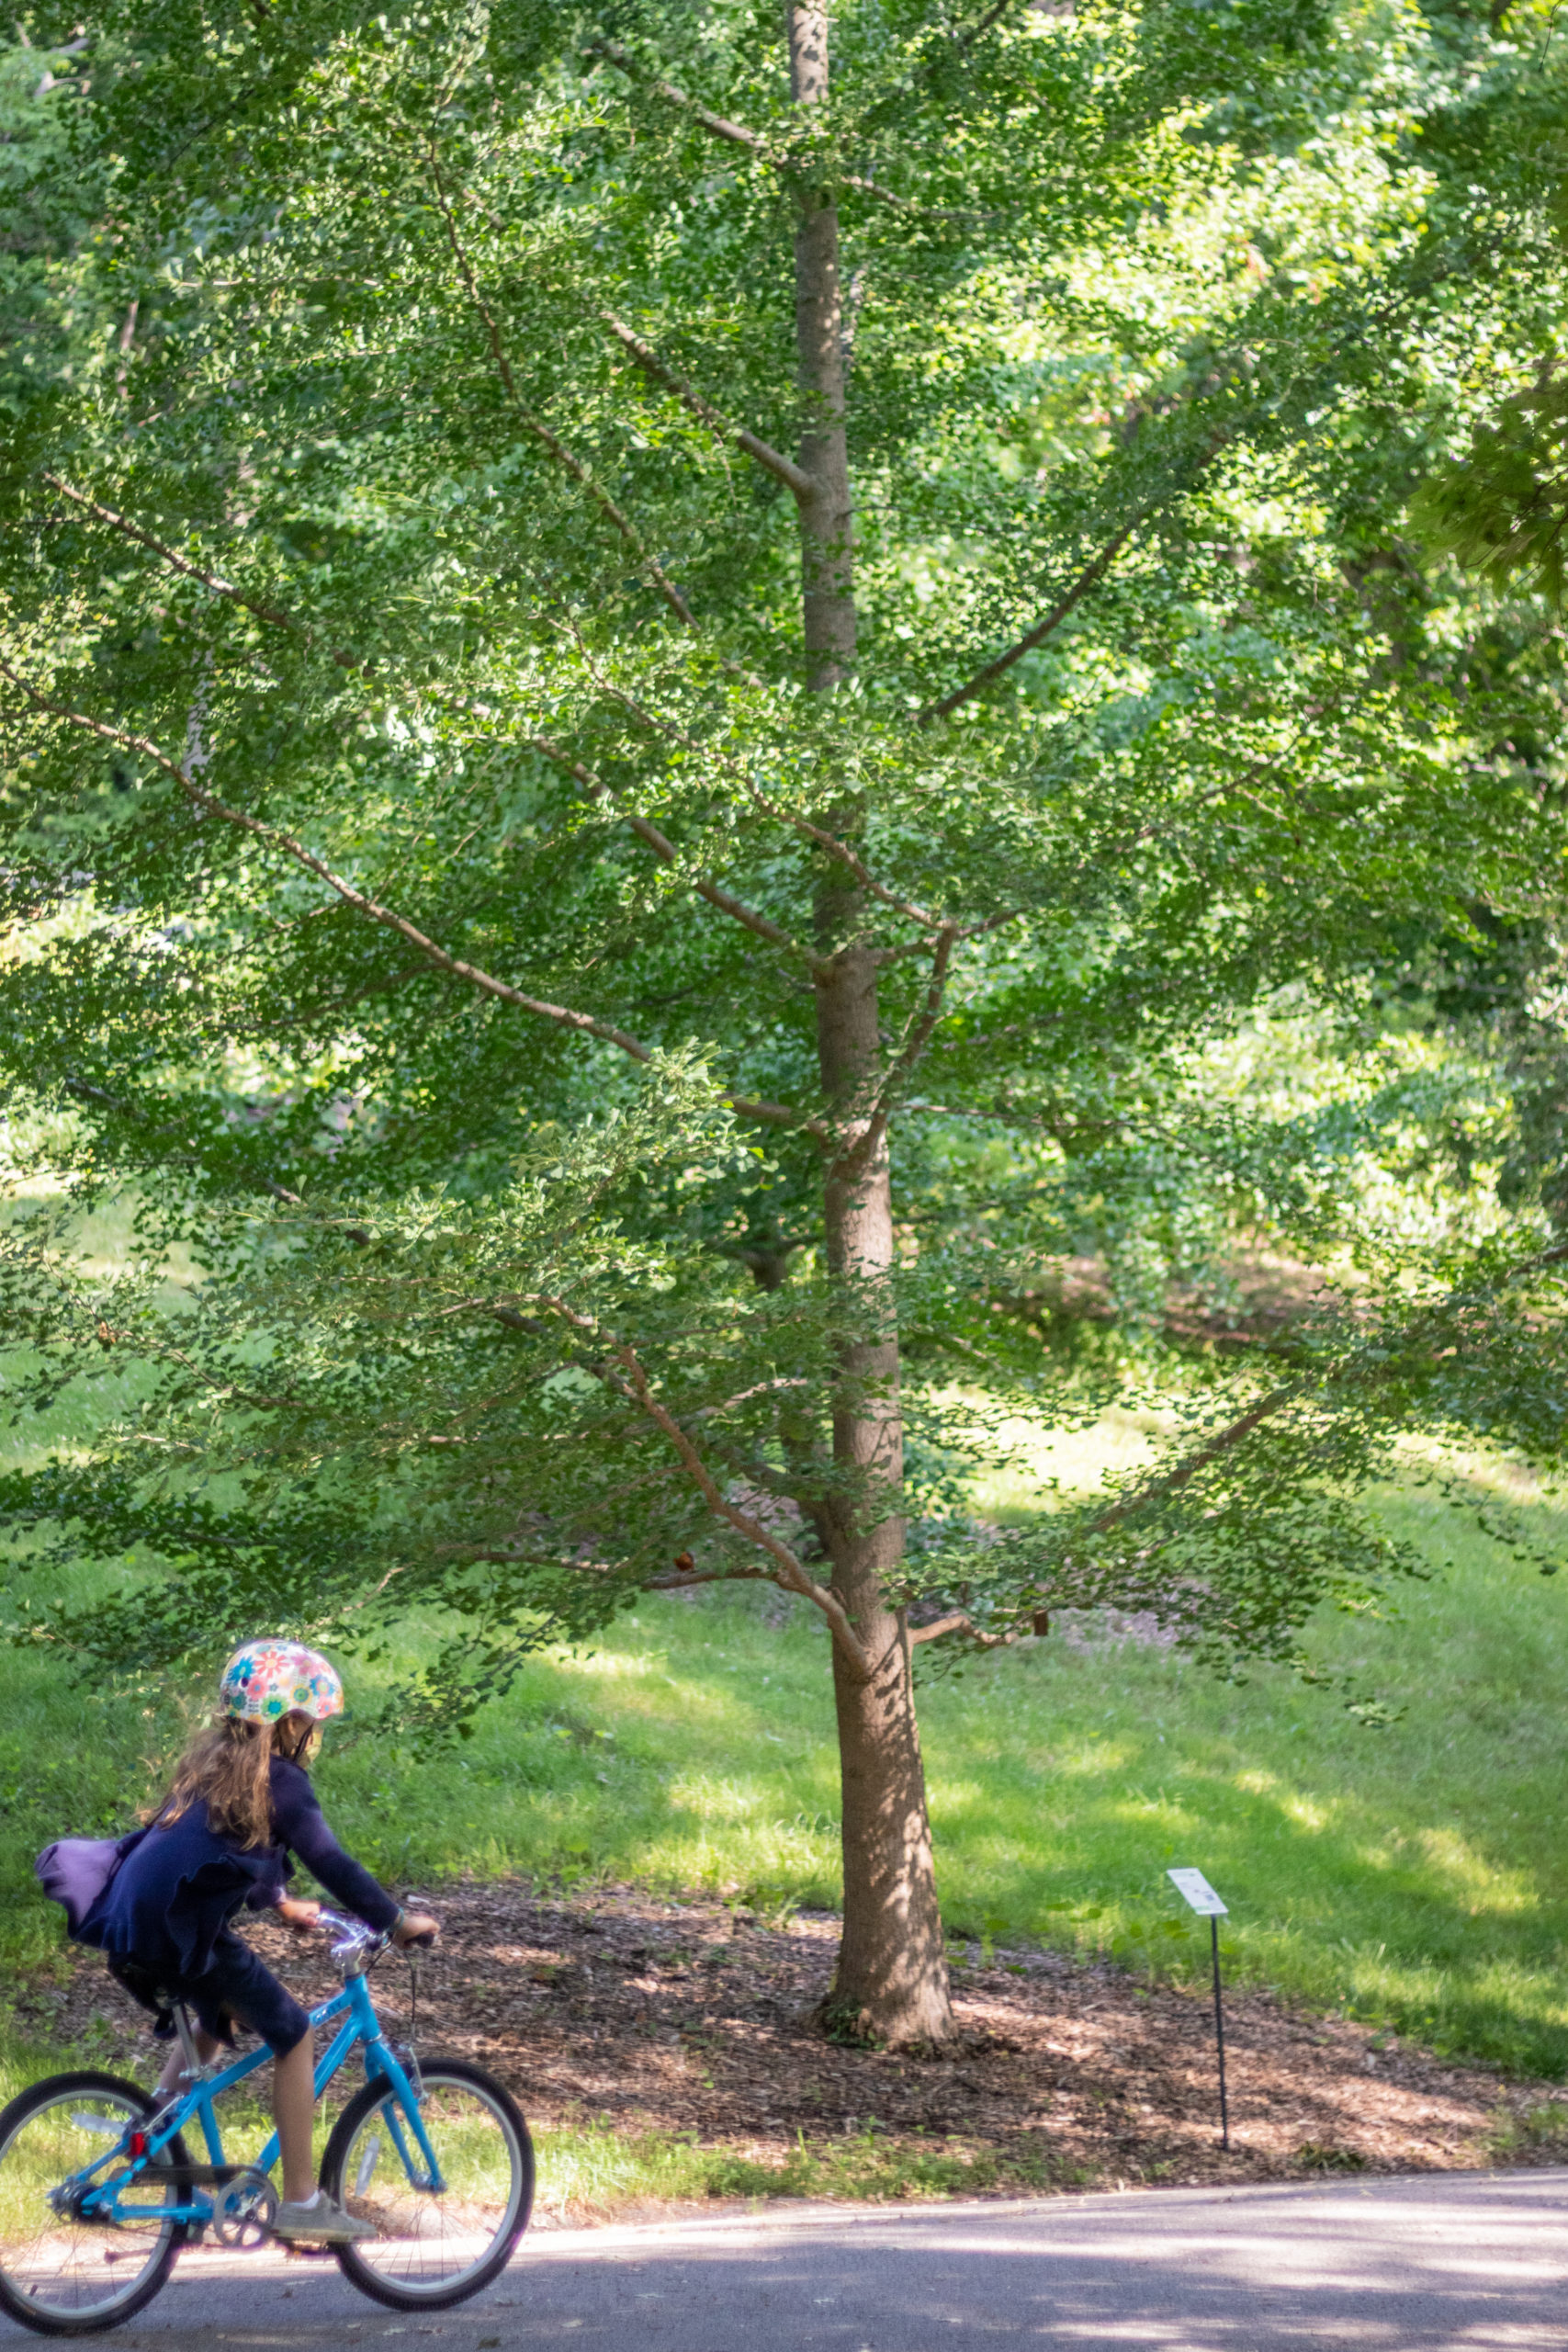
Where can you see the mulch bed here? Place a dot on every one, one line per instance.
(693, 2017)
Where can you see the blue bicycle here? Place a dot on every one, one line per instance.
(98, 2192)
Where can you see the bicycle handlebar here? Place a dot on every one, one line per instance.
(355, 1930)
(355, 1938)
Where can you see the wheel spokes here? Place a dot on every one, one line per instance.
(59, 2262)
(431, 2238)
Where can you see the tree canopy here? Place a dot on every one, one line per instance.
(697, 736)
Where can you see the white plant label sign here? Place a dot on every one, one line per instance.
(1194, 1888)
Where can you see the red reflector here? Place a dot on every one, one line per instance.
(138, 2143)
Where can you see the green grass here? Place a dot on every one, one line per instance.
(1537, 2135)
(599, 2168)
(1414, 1875)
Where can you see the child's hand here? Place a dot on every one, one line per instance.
(303, 1918)
(416, 1928)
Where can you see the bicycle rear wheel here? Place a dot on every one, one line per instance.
(433, 2246)
(61, 2277)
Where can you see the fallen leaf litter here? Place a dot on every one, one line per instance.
(614, 2008)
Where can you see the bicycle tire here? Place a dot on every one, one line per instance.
(24, 2308)
(360, 2107)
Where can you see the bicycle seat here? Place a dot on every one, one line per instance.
(144, 1986)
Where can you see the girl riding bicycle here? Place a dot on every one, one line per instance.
(239, 1806)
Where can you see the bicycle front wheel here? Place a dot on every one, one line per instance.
(65, 2277)
(433, 2246)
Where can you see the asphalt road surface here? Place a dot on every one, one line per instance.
(1477, 2261)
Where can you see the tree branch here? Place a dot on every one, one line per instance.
(776, 1114)
(1265, 765)
(721, 127)
(829, 843)
(146, 1346)
(1234, 1432)
(1184, 1472)
(270, 614)
(208, 802)
(178, 562)
(536, 425)
(1088, 579)
(981, 26)
(916, 1039)
(961, 932)
(794, 478)
(788, 1570)
(959, 1622)
(746, 1105)
(736, 134)
(744, 1396)
(1225, 1442)
(666, 852)
(679, 1580)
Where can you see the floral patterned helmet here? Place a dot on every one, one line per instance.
(266, 1681)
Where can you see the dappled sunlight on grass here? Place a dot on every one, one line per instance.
(1308, 1813)
(1090, 1760)
(602, 1666)
(1489, 1474)
(1471, 1878)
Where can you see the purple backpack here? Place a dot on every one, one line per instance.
(75, 1871)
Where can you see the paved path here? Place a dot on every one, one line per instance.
(1477, 2261)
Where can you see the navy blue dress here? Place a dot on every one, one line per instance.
(164, 1917)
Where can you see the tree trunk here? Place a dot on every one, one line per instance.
(826, 546)
(892, 1975)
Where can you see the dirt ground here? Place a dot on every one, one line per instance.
(616, 2010)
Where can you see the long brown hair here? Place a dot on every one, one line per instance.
(228, 1764)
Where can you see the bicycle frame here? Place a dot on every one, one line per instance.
(102, 2199)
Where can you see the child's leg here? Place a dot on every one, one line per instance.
(294, 2111)
(293, 2106)
(206, 2048)
(240, 1985)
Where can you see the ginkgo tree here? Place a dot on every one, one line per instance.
(664, 671)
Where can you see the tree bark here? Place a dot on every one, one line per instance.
(891, 1982)
(826, 554)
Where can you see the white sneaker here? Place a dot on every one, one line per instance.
(320, 2224)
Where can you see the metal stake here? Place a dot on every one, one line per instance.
(1200, 1896)
(1219, 2032)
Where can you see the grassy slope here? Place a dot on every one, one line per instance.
(1414, 1874)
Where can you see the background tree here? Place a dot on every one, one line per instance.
(668, 692)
